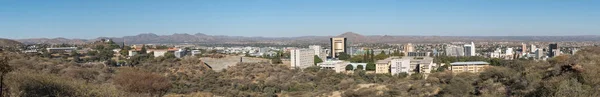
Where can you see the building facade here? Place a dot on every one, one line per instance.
(338, 45)
(383, 66)
(317, 49)
(336, 65)
(473, 67)
(301, 58)
(409, 48)
(453, 50)
(411, 65)
(470, 49)
(61, 49)
(553, 50)
(418, 54)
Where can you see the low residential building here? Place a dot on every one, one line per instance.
(473, 67)
(61, 49)
(418, 54)
(301, 58)
(383, 66)
(158, 53)
(133, 53)
(398, 66)
(180, 53)
(196, 52)
(336, 65)
(411, 65)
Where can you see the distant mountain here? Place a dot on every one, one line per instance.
(9, 43)
(53, 41)
(150, 38)
(355, 37)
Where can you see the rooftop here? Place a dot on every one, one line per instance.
(470, 63)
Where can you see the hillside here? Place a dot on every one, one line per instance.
(9, 43)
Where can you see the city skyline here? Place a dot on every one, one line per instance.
(265, 18)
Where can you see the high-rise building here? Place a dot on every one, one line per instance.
(453, 50)
(400, 65)
(302, 58)
(524, 48)
(409, 48)
(533, 49)
(411, 65)
(317, 49)
(509, 51)
(338, 45)
(470, 49)
(553, 50)
(539, 53)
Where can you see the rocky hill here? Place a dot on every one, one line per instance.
(9, 43)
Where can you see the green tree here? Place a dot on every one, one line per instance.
(343, 56)
(371, 56)
(170, 55)
(317, 60)
(125, 51)
(276, 59)
(247, 54)
(360, 67)
(357, 59)
(143, 50)
(443, 68)
(396, 53)
(349, 67)
(416, 76)
(381, 56)
(366, 56)
(76, 56)
(371, 66)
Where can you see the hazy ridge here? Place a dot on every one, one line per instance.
(147, 38)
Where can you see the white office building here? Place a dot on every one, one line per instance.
(336, 65)
(316, 49)
(470, 49)
(411, 65)
(533, 49)
(301, 58)
(453, 50)
(399, 66)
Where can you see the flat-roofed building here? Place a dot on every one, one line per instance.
(418, 54)
(302, 58)
(411, 65)
(399, 66)
(473, 66)
(383, 66)
(61, 49)
(336, 65)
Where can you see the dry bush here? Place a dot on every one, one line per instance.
(30, 84)
(139, 81)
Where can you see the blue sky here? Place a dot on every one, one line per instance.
(288, 18)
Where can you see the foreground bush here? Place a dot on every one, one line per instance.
(138, 81)
(46, 85)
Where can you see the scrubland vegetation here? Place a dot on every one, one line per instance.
(564, 76)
